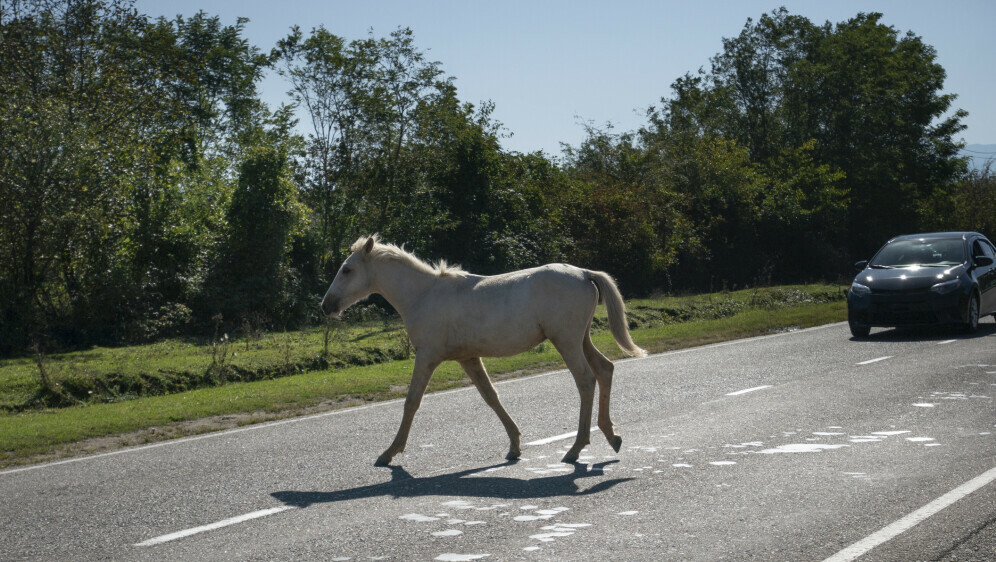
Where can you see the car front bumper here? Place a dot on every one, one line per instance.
(907, 308)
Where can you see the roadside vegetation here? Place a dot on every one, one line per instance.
(148, 192)
(107, 397)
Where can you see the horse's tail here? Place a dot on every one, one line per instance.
(616, 310)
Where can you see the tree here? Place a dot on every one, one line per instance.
(364, 99)
(971, 204)
(71, 147)
(855, 97)
(116, 138)
(618, 215)
(882, 123)
(251, 277)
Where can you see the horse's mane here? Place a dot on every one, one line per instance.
(382, 250)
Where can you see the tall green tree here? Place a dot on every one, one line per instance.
(876, 108)
(116, 141)
(867, 100)
(251, 278)
(364, 100)
(77, 103)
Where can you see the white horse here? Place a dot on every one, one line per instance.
(453, 315)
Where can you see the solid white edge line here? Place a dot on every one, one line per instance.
(875, 360)
(217, 525)
(746, 390)
(902, 525)
(265, 425)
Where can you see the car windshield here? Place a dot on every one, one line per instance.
(922, 252)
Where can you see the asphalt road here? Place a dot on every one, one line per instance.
(806, 445)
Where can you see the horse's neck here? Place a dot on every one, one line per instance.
(402, 285)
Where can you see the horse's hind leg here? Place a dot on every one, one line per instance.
(584, 377)
(603, 374)
(475, 370)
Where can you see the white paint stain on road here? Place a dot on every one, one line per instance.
(802, 448)
(418, 517)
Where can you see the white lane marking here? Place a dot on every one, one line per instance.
(902, 525)
(217, 525)
(346, 411)
(552, 439)
(745, 391)
(876, 360)
(946, 342)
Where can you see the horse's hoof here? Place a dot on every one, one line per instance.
(513, 455)
(383, 460)
(616, 443)
(570, 458)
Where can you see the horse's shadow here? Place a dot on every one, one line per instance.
(463, 484)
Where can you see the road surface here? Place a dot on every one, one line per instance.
(806, 445)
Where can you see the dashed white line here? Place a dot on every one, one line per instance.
(746, 390)
(875, 360)
(552, 439)
(902, 525)
(217, 525)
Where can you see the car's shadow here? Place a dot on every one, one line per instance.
(463, 484)
(927, 334)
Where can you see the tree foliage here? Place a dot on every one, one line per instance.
(145, 190)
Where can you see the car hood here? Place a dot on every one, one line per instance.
(907, 278)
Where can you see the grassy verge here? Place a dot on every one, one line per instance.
(113, 419)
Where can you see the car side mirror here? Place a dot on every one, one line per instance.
(983, 261)
(861, 265)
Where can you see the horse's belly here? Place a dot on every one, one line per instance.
(467, 344)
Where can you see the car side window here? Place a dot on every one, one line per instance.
(987, 249)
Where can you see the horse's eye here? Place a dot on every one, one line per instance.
(346, 271)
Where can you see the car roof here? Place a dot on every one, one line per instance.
(938, 235)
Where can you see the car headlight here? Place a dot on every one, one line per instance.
(857, 289)
(946, 287)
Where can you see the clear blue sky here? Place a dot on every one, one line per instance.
(548, 65)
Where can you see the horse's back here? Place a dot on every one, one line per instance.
(554, 284)
(510, 313)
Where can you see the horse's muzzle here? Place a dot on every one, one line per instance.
(330, 307)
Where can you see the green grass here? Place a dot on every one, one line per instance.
(292, 380)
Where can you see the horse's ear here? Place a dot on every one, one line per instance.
(369, 245)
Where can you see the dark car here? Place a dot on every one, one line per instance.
(925, 279)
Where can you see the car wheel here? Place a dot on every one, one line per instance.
(858, 330)
(973, 315)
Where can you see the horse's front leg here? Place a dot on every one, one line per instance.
(420, 380)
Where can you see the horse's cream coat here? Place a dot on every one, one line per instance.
(453, 315)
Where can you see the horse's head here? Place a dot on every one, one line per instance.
(353, 282)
